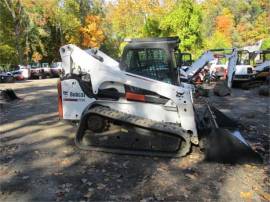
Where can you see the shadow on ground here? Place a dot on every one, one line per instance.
(39, 162)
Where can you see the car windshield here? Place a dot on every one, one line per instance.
(35, 65)
(45, 64)
(55, 65)
(14, 67)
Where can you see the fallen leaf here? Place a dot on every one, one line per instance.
(58, 173)
(191, 176)
(246, 195)
(158, 197)
(89, 183)
(126, 197)
(147, 199)
(25, 177)
(125, 164)
(67, 189)
(184, 191)
(88, 194)
(100, 186)
(263, 194)
(113, 197)
(65, 162)
(84, 180)
(119, 180)
(68, 185)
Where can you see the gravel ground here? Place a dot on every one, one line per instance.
(39, 161)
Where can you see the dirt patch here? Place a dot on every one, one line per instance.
(39, 161)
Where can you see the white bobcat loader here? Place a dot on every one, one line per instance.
(246, 75)
(122, 112)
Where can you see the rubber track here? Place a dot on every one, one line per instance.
(124, 118)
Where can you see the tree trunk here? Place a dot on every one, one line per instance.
(17, 41)
(16, 19)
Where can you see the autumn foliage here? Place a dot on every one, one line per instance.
(225, 24)
(36, 57)
(32, 30)
(92, 33)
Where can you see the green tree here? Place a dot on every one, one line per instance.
(151, 28)
(217, 40)
(266, 44)
(18, 16)
(184, 21)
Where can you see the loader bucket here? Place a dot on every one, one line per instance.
(222, 142)
(229, 147)
(222, 120)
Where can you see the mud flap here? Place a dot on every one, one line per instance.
(229, 147)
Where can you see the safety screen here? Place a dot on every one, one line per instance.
(151, 63)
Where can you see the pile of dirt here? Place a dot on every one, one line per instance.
(7, 95)
(264, 90)
(221, 89)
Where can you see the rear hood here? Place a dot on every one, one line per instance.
(242, 69)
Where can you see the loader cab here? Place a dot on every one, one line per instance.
(244, 71)
(261, 62)
(243, 57)
(151, 57)
(261, 56)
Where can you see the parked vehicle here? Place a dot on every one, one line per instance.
(46, 69)
(56, 69)
(6, 77)
(37, 71)
(20, 72)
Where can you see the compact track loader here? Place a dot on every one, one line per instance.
(138, 106)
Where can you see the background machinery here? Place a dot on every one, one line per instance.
(262, 64)
(248, 69)
(183, 60)
(244, 69)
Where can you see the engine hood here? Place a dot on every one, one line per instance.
(243, 69)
